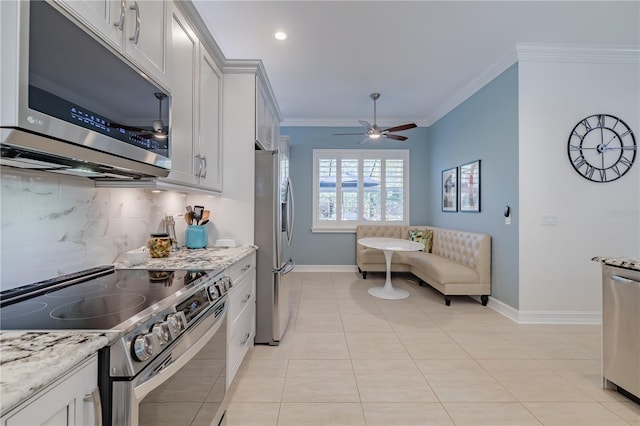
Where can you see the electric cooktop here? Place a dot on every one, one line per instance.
(97, 299)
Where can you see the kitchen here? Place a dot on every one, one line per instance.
(129, 198)
(126, 223)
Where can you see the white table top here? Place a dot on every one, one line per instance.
(394, 244)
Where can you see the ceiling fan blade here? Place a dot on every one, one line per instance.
(365, 124)
(396, 137)
(343, 134)
(401, 127)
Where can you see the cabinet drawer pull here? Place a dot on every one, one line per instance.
(246, 298)
(246, 338)
(94, 397)
(246, 268)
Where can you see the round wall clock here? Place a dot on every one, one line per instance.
(602, 148)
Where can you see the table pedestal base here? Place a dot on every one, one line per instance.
(388, 291)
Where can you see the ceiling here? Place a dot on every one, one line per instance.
(424, 57)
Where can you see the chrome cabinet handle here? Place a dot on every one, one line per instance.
(136, 35)
(199, 171)
(94, 397)
(204, 160)
(120, 22)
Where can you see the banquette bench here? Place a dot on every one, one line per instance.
(453, 262)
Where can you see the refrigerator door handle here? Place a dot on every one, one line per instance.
(286, 268)
(290, 210)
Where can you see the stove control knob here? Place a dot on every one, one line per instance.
(162, 332)
(176, 323)
(214, 293)
(142, 347)
(227, 281)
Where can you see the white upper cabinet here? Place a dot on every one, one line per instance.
(183, 74)
(267, 122)
(196, 81)
(210, 129)
(139, 30)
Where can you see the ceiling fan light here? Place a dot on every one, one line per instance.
(374, 136)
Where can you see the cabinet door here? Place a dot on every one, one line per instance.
(183, 78)
(147, 34)
(63, 403)
(101, 16)
(210, 123)
(261, 116)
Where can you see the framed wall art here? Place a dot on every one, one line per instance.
(470, 187)
(450, 190)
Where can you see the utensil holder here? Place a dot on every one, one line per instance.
(195, 236)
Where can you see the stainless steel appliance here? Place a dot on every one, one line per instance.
(168, 362)
(621, 330)
(274, 215)
(71, 105)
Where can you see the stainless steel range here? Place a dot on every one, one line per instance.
(168, 362)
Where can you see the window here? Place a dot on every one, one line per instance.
(359, 186)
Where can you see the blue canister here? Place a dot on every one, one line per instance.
(195, 236)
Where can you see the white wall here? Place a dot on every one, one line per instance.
(557, 88)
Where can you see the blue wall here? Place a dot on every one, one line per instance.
(484, 127)
(339, 248)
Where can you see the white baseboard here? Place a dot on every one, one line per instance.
(546, 317)
(520, 317)
(326, 268)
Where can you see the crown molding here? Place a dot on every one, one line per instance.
(309, 122)
(498, 67)
(527, 52)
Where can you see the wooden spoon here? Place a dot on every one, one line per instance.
(188, 218)
(205, 215)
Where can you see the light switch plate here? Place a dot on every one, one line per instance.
(550, 220)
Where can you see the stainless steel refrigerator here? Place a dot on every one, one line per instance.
(274, 211)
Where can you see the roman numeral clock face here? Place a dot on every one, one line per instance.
(602, 148)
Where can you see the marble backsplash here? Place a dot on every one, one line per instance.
(54, 224)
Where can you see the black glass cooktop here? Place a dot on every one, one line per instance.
(97, 303)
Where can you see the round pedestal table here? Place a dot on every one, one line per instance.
(388, 246)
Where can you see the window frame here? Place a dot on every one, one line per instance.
(349, 226)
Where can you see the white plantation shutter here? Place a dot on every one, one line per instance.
(353, 187)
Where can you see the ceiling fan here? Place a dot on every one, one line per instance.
(157, 131)
(373, 132)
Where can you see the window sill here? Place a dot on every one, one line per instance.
(333, 230)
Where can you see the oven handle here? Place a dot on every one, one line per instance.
(168, 370)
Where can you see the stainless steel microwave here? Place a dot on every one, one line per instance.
(70, 104)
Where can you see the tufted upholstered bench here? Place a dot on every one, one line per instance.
(459, 262)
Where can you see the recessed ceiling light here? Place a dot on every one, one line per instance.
(280, 35)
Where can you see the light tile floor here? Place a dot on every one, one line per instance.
(351, 359)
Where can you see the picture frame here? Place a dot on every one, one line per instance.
(450, 190)
(470, 187)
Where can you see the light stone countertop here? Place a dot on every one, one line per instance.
(620, 262)
(30, 360)
(217, 258)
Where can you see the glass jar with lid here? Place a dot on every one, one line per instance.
(159, 245)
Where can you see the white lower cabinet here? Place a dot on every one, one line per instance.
(71, 400)
(241, 317)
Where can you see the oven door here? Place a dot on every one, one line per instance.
(184, 386)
